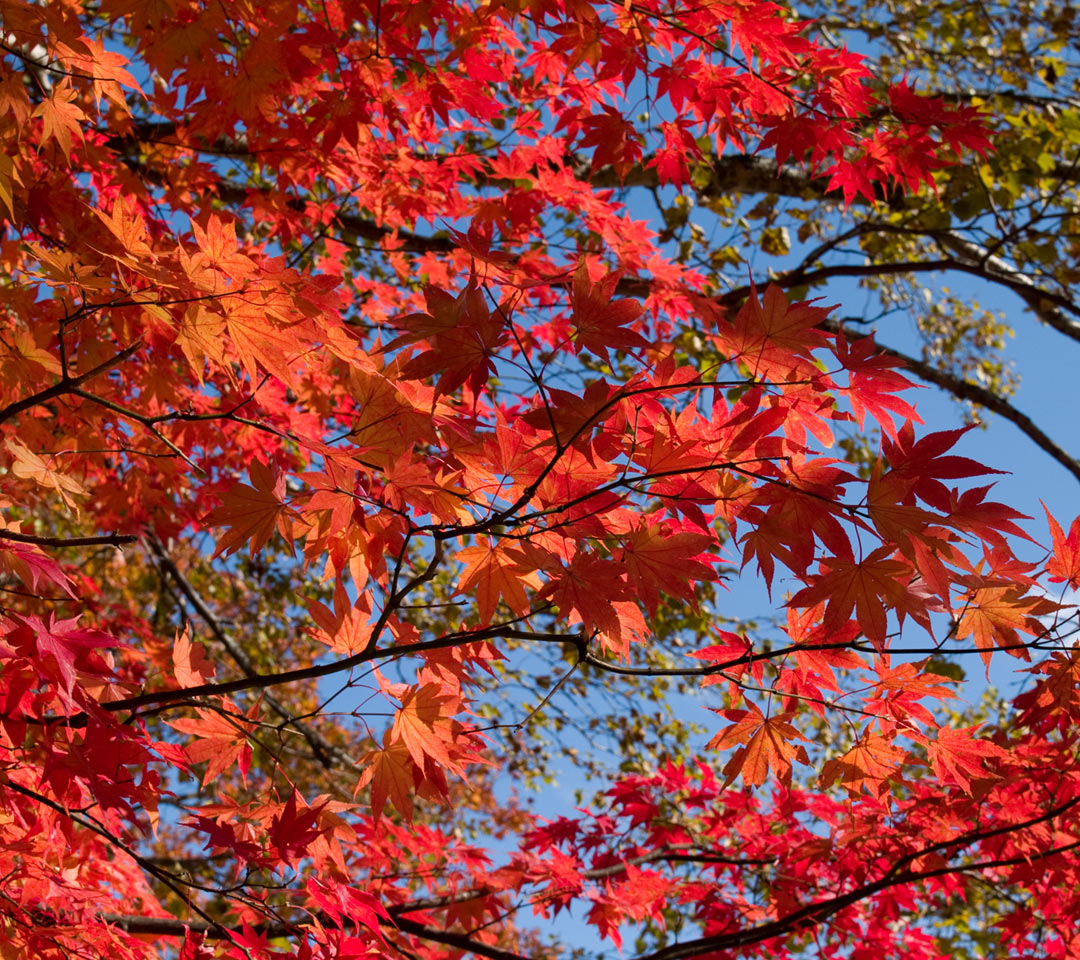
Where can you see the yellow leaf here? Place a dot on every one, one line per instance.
(8, 176)
(29, 466)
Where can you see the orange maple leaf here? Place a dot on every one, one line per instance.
(222, 738)
(201, 338)
(191, 667)
(252, 513)
(260, 340)
(894, 519)
(768, 745)
(392, 775)
(345, 629)
(333, 829)
(867, 765)
(27, 465)
(106, 67)
(898, 690)
(61, 117)
(412, 485)
(128, 226)
(1064, 563)
(218, 249)
(994, 616)
(426, 726)
(492, 572)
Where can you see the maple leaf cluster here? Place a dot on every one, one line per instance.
(288, 483)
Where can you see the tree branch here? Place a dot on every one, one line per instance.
(113, 539)
(67, 384)
(319, 745)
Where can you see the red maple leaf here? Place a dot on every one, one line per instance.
(69, 646)
(461, 336)
(223, 738)
(343, 902)
(1064, 563)
(957, 757)
(773, 338)
(870, 588)
(658, 561)
(873, 384)
(600, 322)
(293, 829)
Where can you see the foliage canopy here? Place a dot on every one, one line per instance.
(367, 459)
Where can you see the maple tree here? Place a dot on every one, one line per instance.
(355, 432)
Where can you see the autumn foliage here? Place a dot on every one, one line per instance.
(337, 379)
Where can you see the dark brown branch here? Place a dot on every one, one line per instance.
(354, 225)
(256, 681)
(67, 384)
(727, 174)
(959, 388)
(113, 539)
(1049, 307)
(167, 927)
(319, 745)
(978, 836)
